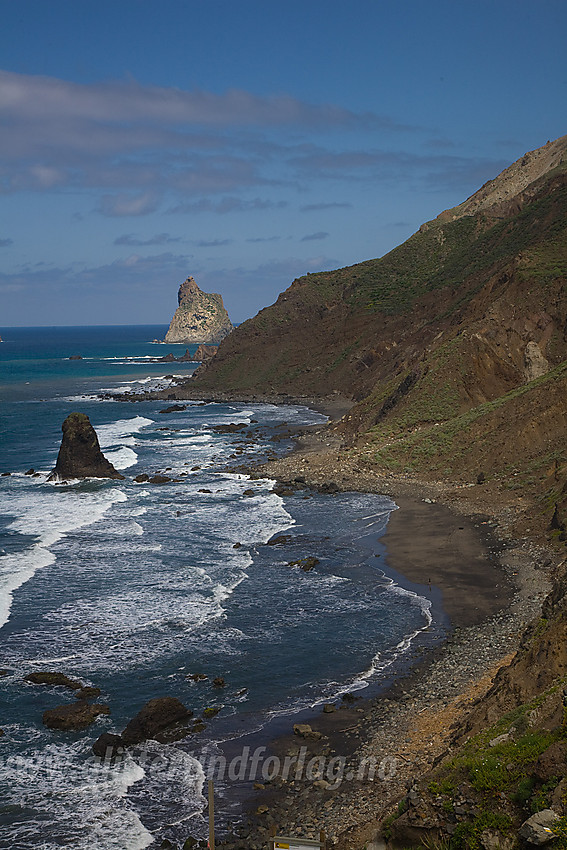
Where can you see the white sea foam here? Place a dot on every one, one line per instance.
(382, 661)
(117, 438)
(48, 515)
(87, 802)
(81, 398)
(115, 432)
(122, 458)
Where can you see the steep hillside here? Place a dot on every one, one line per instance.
(497, 272)
(453, 350)
(453, 346)
(503, 784)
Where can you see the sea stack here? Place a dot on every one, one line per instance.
(80, 455)
(200, 317)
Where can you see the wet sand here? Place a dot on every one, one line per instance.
(432, 546)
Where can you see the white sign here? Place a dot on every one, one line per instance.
(286, 843)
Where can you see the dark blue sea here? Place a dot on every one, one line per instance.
(133, 587)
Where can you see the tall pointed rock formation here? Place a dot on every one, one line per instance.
(200, 318)
(80, 455)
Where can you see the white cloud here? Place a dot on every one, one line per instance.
(312, 237)
(30, 97)
(128, 205)
(227, 205)
(158, 239)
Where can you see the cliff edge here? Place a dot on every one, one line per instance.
(200, 318)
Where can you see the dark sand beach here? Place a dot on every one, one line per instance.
(432, 546)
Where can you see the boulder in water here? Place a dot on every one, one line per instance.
(156, 716)
(80, 455)
(108, 746)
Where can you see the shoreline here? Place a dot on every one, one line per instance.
(409, 721)
(490, 583)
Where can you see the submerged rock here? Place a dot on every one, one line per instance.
(159, 479)
(80, 455)
(155, 717)
(87, 693)
(231, 428)
(306, 564)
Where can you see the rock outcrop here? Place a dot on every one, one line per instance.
(205, 352)
(80, 455)
(53, 679)
(108, 746)
(152, 721)
(201, 316)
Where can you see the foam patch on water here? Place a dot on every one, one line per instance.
(116, 432)
(117, 439)
(382, 661)
(85, 804)
(122, 458)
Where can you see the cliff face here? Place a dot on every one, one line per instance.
(201, 316)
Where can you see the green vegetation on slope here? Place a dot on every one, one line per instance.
(444, 446)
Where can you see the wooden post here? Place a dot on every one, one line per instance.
(323, 839)
(211, 816)
(273, 833)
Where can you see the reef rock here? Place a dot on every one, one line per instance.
(200, 317)
(80, 455)
(42, 677)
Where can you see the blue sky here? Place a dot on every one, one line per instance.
(247, 143)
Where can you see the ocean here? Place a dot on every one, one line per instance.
(133, 588)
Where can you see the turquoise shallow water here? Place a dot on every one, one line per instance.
(132, 587)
